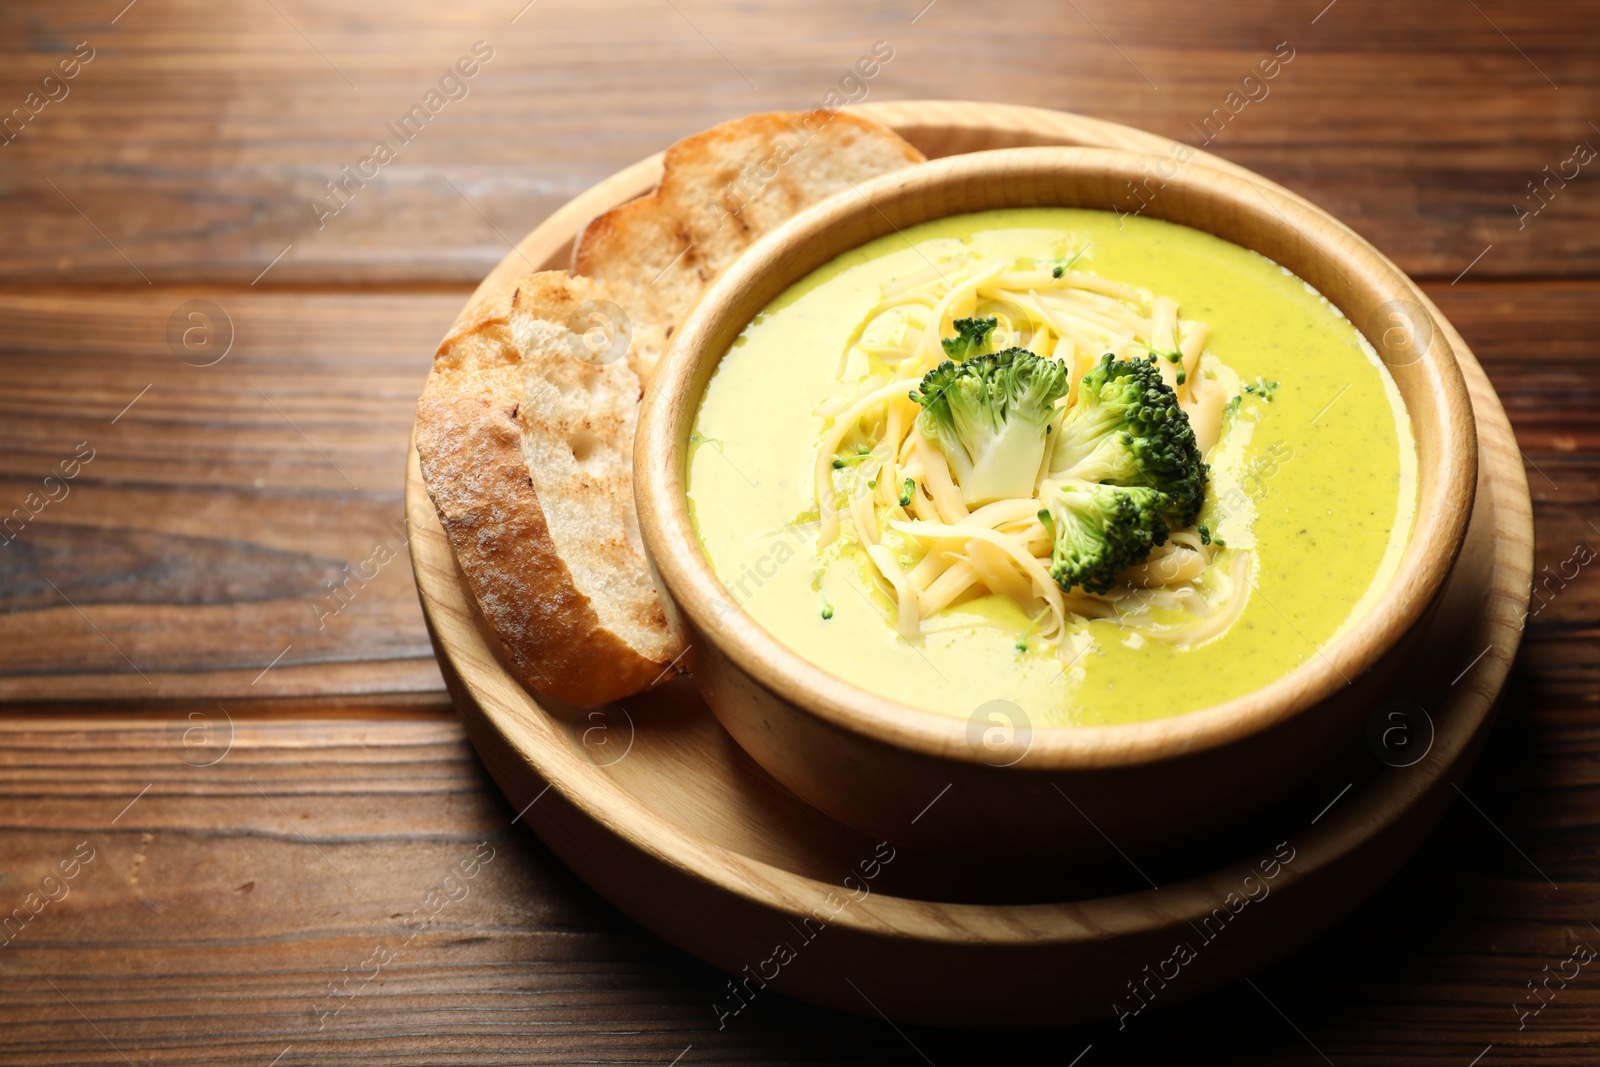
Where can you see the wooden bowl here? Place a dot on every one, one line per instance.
(876, 764)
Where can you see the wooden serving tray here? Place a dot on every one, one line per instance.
(655, 806)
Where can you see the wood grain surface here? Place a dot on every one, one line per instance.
(217, 524)
(179, 167)
(219, 908)
(197, 134)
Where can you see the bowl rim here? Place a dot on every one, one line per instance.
(913, 195)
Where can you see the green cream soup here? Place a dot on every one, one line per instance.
(1315, 479)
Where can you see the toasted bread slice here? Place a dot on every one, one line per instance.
(526, 443)
(720, 192)
(526, 438)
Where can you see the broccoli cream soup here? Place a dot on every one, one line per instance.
(1107, 469)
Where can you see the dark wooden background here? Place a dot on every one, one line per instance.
(173, 588)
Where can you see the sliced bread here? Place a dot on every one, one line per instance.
(525, 428)
(526, 445)
(720, 192)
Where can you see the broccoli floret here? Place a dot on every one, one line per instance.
(1126, 428)
(1099, 530)
(989, 416)
(971, 337)
(1262, 387)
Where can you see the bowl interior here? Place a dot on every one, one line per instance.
(1376, 297)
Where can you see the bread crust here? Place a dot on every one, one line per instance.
(470, 442)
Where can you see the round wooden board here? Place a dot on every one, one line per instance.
(655, 806)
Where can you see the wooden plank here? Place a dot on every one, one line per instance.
(218, 513)
(191, 146)
(232, 885)
(1554, 404)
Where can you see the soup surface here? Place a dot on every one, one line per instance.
(1312, 479)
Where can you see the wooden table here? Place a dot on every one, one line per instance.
(254, 784)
